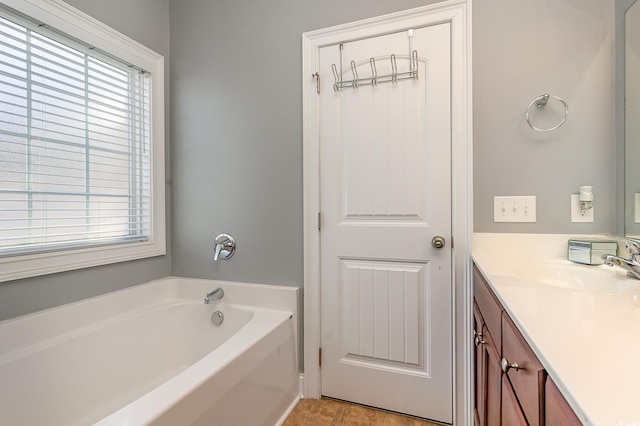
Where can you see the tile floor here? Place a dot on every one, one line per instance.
(331, 412)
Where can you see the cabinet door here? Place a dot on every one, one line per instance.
(527, 378)
(492, 380)
(512, 414)
(557, 410)
(488, 304)
(480, 369)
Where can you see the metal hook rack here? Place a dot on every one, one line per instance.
(540, 102)
(375, 79)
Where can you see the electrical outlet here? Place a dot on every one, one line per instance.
(514, 209)
(578, 215)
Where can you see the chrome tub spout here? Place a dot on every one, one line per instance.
(214, 295)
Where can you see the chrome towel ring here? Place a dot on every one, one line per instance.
(540, 102)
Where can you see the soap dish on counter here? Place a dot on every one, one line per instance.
(590, 252)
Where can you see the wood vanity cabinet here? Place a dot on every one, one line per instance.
(558, 412)
(512, 414)
(478, 357)
(524, 372)
(511, 386)
(487, 312)
(487, 367)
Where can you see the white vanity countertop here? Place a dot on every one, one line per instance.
(583, 322)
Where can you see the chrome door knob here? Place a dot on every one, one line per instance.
(438, 242)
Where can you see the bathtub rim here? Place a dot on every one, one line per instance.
(24, 331)
(282, 301)
(144, 410)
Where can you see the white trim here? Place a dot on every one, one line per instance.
(288, 411)
(301, 385)
(77, 24)
(458, 13)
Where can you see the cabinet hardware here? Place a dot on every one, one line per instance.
(478, 338)
(506, 366)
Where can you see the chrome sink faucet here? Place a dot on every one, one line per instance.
(214, 295)
(631, 265)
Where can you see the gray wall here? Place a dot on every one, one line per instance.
(236, 123)
(237, 156)
(523, 49)
(237, 129)
(146, 21)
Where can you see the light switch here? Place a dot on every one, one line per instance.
(514, 209)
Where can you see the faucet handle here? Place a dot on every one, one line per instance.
(224, 246)
(633, 247)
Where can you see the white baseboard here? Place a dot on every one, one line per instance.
(288, 411)
(301, 385)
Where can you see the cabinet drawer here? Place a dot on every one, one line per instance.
(528, 378)
(488, 304)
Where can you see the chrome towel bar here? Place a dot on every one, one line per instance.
(540, 102)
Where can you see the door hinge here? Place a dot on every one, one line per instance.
(317, 77)
(320, 357)
(319, 220)
(451, 242)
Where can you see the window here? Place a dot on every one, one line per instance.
(81, 149)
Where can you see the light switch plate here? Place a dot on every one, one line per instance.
(514, 209)
(636, 208)
(576, 214)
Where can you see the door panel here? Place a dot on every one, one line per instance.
(381, 311)
(493, 387)
(385, 179)
(480, 368)
(512, 414)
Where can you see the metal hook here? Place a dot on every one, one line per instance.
(335, 75)
(394, 69)
(355, 74)
(374, 72)
(375, 78)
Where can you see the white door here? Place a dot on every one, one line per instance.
(385, 193)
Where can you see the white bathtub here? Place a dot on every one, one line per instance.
(150, 354)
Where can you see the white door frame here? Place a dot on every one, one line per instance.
(458, 13)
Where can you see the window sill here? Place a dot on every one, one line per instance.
(25, 266)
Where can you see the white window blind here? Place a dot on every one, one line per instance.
(75, 151)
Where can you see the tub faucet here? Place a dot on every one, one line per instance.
(631, 265)
(223, 247)
(214, 295)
